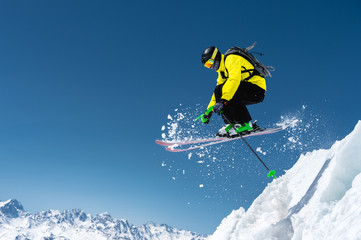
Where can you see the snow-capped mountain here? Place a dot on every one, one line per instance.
(318, 198)
(15, 223)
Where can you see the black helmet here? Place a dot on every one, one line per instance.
(211, 58)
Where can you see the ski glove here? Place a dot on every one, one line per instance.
(205, 117)
(218, 107)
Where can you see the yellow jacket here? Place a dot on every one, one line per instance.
(232, 69)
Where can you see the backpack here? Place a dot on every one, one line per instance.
(259, 68)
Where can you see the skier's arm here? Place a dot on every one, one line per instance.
(212, 102)
(234, 66)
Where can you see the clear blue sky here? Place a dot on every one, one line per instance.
(87, 85)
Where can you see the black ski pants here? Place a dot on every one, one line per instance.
(246, 94)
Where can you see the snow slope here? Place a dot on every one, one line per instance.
(318, 198)
(17, 224)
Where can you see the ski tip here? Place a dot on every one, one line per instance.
(159, 142)
(163, 143)
(170, 149)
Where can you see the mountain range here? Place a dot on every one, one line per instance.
(15, 223)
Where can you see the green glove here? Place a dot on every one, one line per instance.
(205, 117)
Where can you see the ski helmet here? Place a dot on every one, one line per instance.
(211, 58)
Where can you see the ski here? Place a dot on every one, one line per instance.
(172, 146)
(187, 142)
(196, 141)
(174, 149)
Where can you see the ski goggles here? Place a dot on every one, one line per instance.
(210, 62)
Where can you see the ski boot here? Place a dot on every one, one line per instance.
(240, 129)
(228, 130)
(223, 132)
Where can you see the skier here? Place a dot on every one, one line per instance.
(238, 85)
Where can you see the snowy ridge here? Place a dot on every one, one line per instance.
(75, 224)
(318, 198)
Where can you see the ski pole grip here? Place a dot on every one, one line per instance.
(209, 110)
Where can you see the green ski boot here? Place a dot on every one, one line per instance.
(240, 129)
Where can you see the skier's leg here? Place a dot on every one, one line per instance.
(246, 94)
(226, 110)
(239, 112)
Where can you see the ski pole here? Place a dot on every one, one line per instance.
(271, 173)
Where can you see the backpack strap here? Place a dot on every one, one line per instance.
(250, 74)
(223, 74)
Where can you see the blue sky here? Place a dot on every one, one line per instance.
(87, 85)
